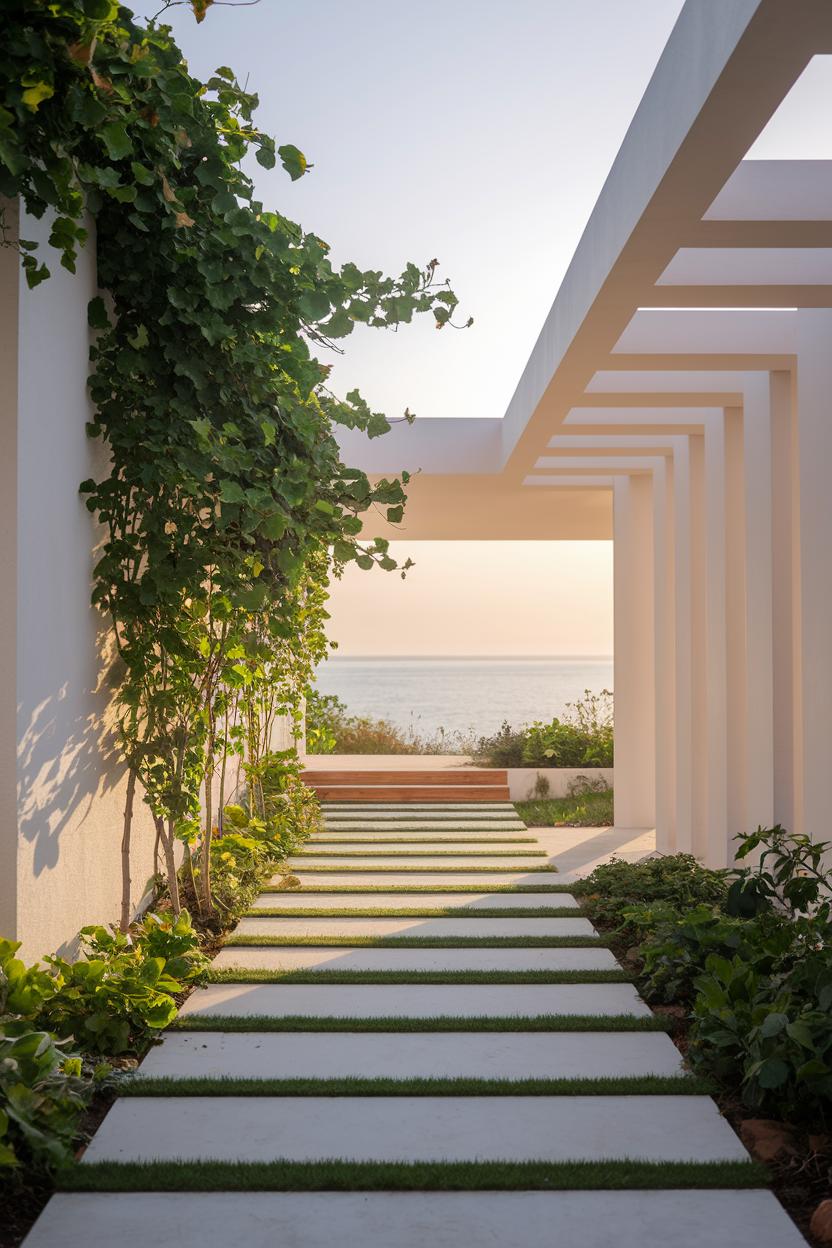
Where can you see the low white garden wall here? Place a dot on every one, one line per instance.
(521, 780)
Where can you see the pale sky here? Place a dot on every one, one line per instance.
(480, 598)
(479, 132)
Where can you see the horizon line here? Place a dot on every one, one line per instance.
(469, 657)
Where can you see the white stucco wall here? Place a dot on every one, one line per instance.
(521, 780)
(62, 785)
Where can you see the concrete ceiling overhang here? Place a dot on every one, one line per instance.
(686, 280)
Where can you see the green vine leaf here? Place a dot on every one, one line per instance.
(36, 92)
(117, 140)
(293, 161)
(97, 314)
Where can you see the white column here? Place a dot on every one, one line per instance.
(635, 739)
(683, 654)
(699, 792)
(814, 436)
(785, 595)
(736, 755)
(758, 514)
(723, 784)
(664, 614)
(713, 828)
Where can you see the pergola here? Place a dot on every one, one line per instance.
(679, 399)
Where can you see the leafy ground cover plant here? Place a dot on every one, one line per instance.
(111, 1000)
(764, 1015)
(674, 948)
(42, 1090)
(678, 881)
(42, 1094)
(772, 1028)
(749, 952)
(115, 997)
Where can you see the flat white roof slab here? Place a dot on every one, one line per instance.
(412, 1055)
(275, 926)
(413, 1000)
(408, 1128)
(458, 901)
(718, 1219)
(314, 959)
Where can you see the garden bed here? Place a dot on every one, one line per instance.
(739, 965)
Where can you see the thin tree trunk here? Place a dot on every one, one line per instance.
(205, 863)
(194, 888)
(167, 838)
(126, 907)
(223, 767)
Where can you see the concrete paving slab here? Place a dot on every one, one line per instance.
(299, 861)
(412, 1055)
(413, 1000)
(417, 879)
(380, 928)
(419, 850)
(338, 808)
(345, 959)
(408, 1128)
(426, 901)
(431, 825)
(718, 1219)
(517, 837)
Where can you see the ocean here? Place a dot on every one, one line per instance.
(429, 695)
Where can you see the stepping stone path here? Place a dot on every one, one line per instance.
(404, 957)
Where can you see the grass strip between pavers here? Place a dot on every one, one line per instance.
(633, 1085)
(381, 814)
(418, 942)
(427, 836)
(368, 1176)
(342, 869)
(255, 975)
(419, 853)
(445, 1022)
(403, 912)
(350, 838)
(348, 890)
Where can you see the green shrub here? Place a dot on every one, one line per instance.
(763, 1016)
(767, 1022)
(330, 729)
(110, 1002)
(751, 952)
(677, 880)
(789, 875)
(582, 737)
(42, 1091)
(676, 947)
(23, 989)
(42, 1094)
(175, 941)
(503, 749)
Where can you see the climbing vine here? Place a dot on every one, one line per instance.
(226, 503)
